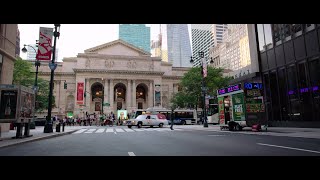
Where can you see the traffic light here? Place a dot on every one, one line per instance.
(65, 85)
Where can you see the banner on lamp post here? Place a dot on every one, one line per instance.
(204, 67)
(45, 44)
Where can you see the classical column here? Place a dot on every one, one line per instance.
(151, 97)
(111, 99)
(134, 102)
(105, 95)
(171, 91)
(128, 98)
(88, 95)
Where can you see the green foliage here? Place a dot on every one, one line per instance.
(22, 75)
(191, 83)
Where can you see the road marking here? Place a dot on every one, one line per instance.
(109, 130)
(129, 130)
(90, 131)
(100, 131)
(119, 130)
(216, 135)
(285, 147)
(131, 154)
(80, 131)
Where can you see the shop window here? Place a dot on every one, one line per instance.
(283, 96)
(314, 70)
(293, 94)
(274, 96)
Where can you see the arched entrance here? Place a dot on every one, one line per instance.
(97, 97)
(141, 96)
(120, 91)
(70, 105)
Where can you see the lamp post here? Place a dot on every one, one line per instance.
(36, 64)
(48, 126)
(203, 85)
(35, 87)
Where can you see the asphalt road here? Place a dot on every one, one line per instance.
(116, 141)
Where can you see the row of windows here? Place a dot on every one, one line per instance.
(270, 34)
(293, 93)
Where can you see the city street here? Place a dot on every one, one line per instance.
(121, 141)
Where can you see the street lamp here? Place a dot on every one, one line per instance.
(48, 126)
(35, 87)
(36, 64)
(203, 86)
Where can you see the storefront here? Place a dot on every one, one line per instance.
(291, 73)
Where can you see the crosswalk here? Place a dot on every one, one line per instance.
(122, 130)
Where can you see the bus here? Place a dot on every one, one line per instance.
(212, 113)
(182, 116)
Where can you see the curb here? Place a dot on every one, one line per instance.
(38, 138)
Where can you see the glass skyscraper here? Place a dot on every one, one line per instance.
(202, 40)
(175, 45)
(136, 34)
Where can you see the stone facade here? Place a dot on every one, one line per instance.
(8, 37)
(117, 73)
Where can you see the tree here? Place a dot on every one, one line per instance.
(191, 83)
(22, 75)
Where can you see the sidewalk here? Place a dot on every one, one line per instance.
(271, 131)
(37, 134)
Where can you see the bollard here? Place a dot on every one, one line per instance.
(63, 127)
(19, 130)
(27, 129)
(58, 127)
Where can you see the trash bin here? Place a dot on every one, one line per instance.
(58, 127)
(32, 125)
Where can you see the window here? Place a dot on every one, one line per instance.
(293, 93)
(314, 70)
(268, 34)
(274, 96)
(284, 107)
(261, 37)
(304, 90)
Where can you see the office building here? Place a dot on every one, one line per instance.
(217, 32)
(136, 34)
(202, 41)
(290, 64)
(175, 45)
(8, 45)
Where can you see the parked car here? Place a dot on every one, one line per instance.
(148, 120)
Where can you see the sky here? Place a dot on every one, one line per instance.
(75, 38)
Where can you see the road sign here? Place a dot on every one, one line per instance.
(106, 104)
(52, 66)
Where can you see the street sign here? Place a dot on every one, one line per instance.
(52, 66)
(106, 104)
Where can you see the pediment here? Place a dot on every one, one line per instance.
(118, 47)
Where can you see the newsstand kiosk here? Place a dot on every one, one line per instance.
(17, 106)
(241, 105)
